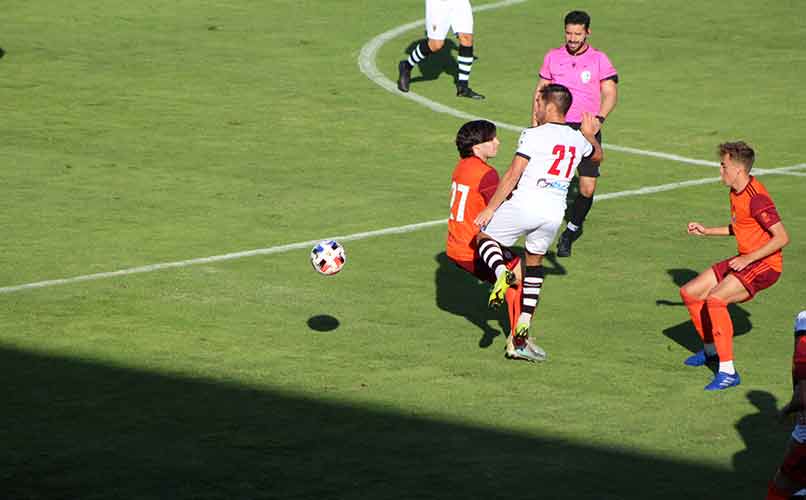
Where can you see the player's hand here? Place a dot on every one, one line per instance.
(739, 263)
(590, 124)
(483, 217)
(695, 228)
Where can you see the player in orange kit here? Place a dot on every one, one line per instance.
(472, 184)
(760, 236)
(791, 476)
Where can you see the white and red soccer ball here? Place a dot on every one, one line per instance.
(328, 257)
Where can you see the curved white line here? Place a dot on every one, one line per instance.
(367, 65)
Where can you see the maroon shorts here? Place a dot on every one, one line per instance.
(479, 269)
(755, 277)
(794, 466)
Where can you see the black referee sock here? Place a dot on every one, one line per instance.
(582, 205)
(420, 52)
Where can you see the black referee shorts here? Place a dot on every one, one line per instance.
(586, 167)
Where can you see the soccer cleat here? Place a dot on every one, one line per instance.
(723, 380)
(520, 346)
(700, 359)
(464, 91)
(500, 288)
(403, 76)
(567, 238)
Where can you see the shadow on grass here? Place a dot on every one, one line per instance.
(80, 429)
(684, 333)
(458, 292)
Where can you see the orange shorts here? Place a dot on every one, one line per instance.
(755, 277)
(794, 466)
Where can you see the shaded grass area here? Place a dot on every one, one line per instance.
(82, 429)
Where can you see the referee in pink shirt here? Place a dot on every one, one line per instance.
(592, 79)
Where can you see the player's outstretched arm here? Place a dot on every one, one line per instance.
(505, 187)
(780, 238)
(697, 229)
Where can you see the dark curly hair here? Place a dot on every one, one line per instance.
(472, 133)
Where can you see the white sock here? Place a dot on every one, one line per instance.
(710, 349)
(524, 318)
(499, 270)
(572, 227)
(727, 367)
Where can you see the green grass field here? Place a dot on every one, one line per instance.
(156, 132)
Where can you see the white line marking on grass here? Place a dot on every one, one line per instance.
(367, 65)
(357, 236)
(366, 62)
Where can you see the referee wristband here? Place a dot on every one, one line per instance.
(600, 118)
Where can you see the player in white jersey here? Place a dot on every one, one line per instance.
(530, 199)
(440, 17)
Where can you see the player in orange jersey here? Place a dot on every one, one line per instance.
(791, 476)
(760, 236)
(472, 184)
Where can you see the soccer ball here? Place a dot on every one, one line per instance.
(328, 257)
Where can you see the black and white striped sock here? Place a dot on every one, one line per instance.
(532, 284)
(493, 257)
(420, 52)
(465, 61)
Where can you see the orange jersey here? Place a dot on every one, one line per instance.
(472, 185)
(752, 213)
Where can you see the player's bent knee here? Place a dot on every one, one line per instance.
(587, 189)
(435, 45)
(466, 39)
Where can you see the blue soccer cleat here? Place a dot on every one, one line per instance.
(699, 358)
(723, 381)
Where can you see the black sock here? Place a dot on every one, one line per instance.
(532, 284)
(420, 52)
(491, 254)
(582, 205)
(465, 61)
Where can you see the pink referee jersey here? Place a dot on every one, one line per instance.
(582, 74)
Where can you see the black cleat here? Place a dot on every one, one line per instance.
(566, 240)
(403, 76)
(463, 91)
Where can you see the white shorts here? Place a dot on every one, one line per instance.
(539, 221)
(442, 15)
